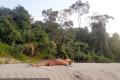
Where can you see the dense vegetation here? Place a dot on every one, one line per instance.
(23, 38)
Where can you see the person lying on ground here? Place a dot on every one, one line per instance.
(53, 62)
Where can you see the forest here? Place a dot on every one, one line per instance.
(23, 38)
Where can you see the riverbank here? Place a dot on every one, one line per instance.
(77, 71)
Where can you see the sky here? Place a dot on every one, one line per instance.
(34, 7)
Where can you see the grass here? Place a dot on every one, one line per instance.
(13, 52)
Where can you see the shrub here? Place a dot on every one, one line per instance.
(45, 55)
(80, 57)
(1, 62)
(100, 59)
(11, 51)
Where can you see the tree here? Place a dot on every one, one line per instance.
(7, 25)
(82, 35)
(15, 37)
(5, 11)
(55, 37)
(22, 18)
(99, 42)
(114, 43)
(80, 8)
(38, 25)
(49, 15)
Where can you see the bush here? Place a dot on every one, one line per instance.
(29, 49)
(80, 57)
(10, 51)
(1, 62)
(100, 59)
(46, 55)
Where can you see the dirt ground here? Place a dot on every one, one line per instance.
(77, 71)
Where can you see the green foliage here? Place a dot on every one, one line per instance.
(46, 56)
(100, 59)
(22, 18)
(49, 15)
(1, 62)
(99, 35)
(10, 51)
(114, 43)
(80, 57)
(82, 34)
(15, 37)
(30, 42)
(13, 52)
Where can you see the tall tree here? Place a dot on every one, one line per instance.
(99, 42)
(8, 31)
(82, 34)
(80, 8)
(49, 15)
(114, 43)
(22, 18)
